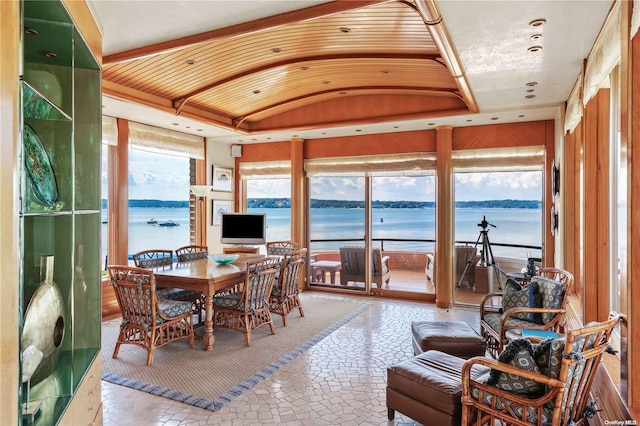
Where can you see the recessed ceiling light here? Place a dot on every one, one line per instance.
(304, 68)
(326, 82)
(495, 118)
(50, 54)
(30, 31)
(532, 83)
(385, 71)
(187, 127)
(530, 96)
(254, 139)
(358, 130)
(276, 50)
(534, 49)
(431, 124)
(176, 124)
(537, 22)
(190, 62)
(535, 37)
(521, 116)
(469, 120)
(342, 93)
(256, 91)
(396, 127)
(345, 30)
(530, 90)
(199, 130)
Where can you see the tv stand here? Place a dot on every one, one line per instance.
(241, 249)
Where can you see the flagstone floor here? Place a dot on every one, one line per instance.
(339, 381)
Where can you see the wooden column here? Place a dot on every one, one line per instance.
(596, 255)
(297, 191)
(445, 208)
(118, 205)
(9, 206)
(570, 207)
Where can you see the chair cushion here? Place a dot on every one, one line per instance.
(551, 296)
(178, 294)
(515, 295)
(227, 300)
(492, 319)
(518, 353)
(532, 413)
(173, 308)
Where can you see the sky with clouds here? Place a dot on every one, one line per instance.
(163, 177)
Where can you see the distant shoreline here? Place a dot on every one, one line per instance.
(285, 203)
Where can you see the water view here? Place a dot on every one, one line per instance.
(512, 226)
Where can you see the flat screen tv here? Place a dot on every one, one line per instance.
(243, 228)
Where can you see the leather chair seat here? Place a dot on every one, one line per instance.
(428, 388)
(453, 337)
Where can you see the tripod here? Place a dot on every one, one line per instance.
(486, 254)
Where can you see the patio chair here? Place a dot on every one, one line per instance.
(188, 253)
(149, 320)
(245, 310)
(544, 384)
(279, 248)
(352, 266)
(539, 305)
(284, 295)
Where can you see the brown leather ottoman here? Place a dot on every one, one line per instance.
(453, 337)
(428, 388)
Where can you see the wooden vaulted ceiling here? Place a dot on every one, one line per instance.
(338, 63)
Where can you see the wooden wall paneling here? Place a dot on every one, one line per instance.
(9, 205)
(569, 217)
(272, 151)
(548, 240)
(444, 274)
(501, 135)
(603, 191)
(380, 144)
(633, 235)
(592, 204)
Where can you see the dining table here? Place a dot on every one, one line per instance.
(207, 277)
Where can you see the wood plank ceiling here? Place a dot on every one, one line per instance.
(333, 64)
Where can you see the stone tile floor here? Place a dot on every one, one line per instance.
(339, 381)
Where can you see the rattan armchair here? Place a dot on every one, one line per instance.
(149, 320)
(567, 368)
(547, 314)
(279, 248)
(284, 295)
(245, 310)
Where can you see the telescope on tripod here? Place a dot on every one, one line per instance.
(486, 256)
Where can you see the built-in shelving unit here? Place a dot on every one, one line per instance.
(60, 172)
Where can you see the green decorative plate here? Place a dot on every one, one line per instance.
(39, 170)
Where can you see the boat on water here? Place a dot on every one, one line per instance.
(152, 221)
(169, 223)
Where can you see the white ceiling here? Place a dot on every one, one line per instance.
(491, 39)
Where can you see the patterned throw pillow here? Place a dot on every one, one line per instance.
(548, 356)
(516, 296)
(551, 296)
(518, 353)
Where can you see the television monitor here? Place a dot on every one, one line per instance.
(243, 228)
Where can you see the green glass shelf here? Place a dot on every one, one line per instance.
(38, 107)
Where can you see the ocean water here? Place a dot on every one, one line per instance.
(521, 227)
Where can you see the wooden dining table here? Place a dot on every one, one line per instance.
(207, 277)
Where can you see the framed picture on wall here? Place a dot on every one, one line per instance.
(217, 208)
(221, 178)
(555, 179)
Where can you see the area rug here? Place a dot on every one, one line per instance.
(210, 380)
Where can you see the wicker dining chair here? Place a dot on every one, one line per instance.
(284, 295)
(159, 258)
(192, 252)
(149, 320)
(279, 248)
(544, 384)
(246, 310)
